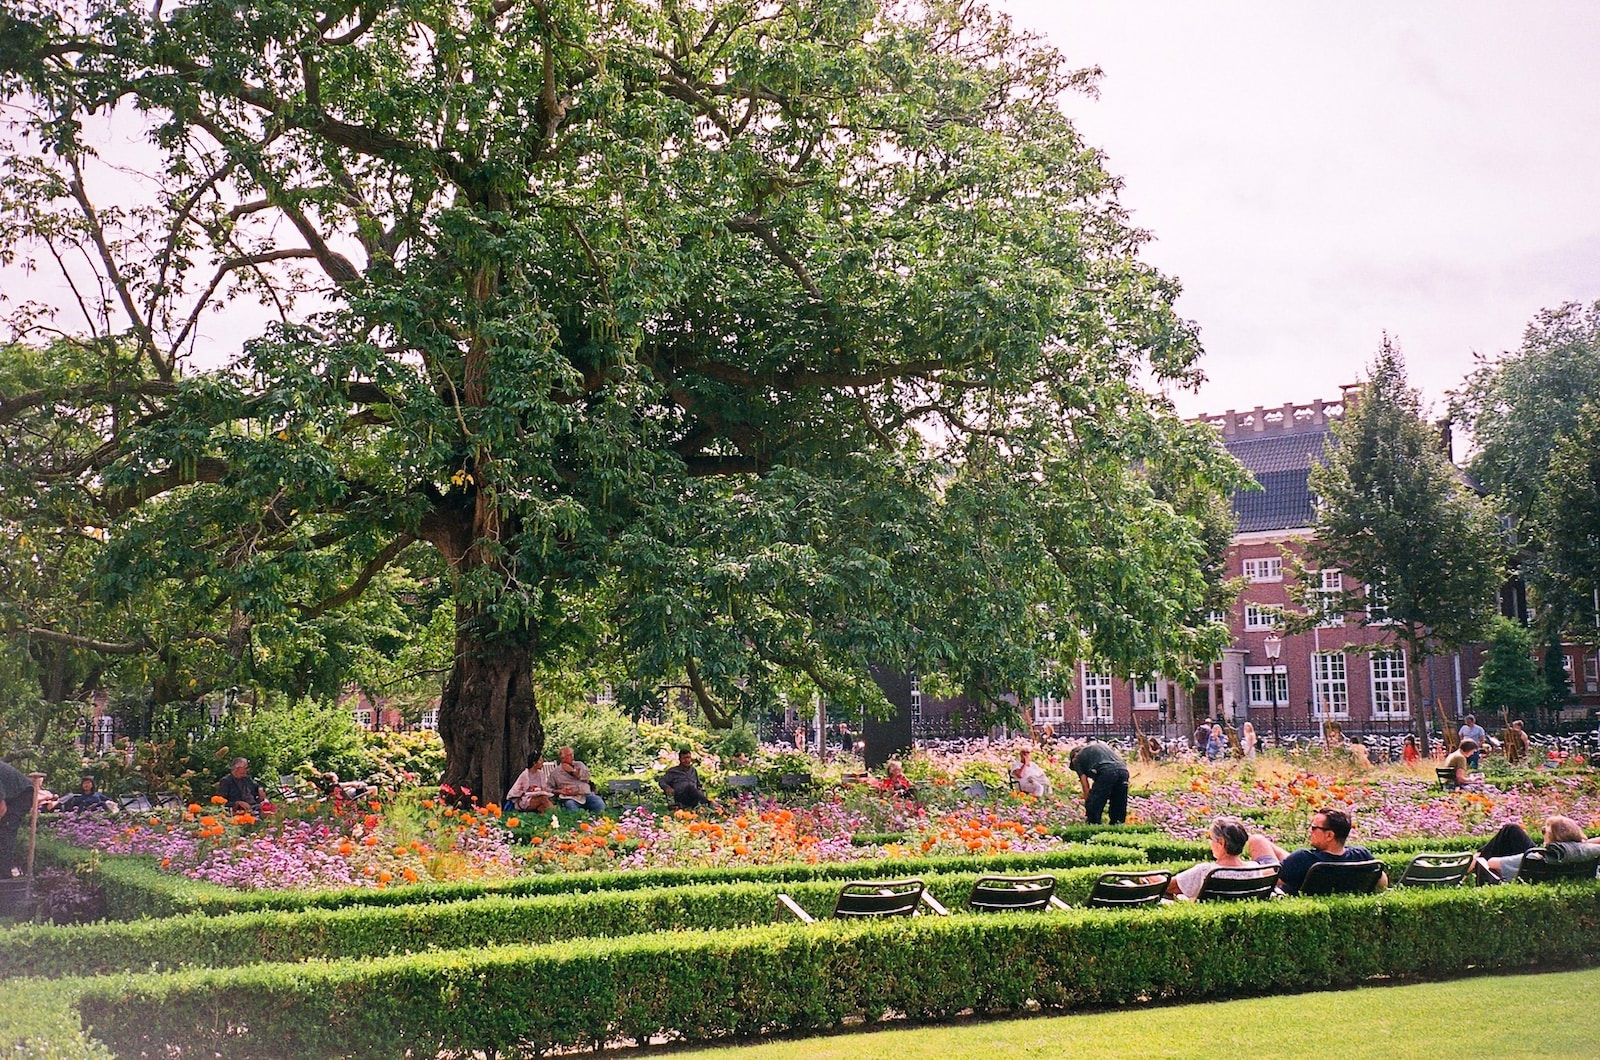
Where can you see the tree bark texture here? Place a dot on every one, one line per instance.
(487, 715)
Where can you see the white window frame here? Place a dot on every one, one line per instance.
(1095, 686)
(1262, 616)
(1330, 677)
(364, 718)
(105, 733)
(1378, 607)
(1391, 695)
(429, 721)
(916, 699)
(1258, 685)
(1264, 569)
(1591, 671)
(1147, 694)
(1330, 583)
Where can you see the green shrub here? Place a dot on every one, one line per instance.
(716, 984)
(601, 736)
(280, 738)
(390, 757)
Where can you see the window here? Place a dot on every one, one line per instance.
(364, 718)
(916, 699)
(1217, 618)
(1389, 693)
(1268, 569)
(606, 697)
(429, 720)
(1591, 672)
(1259, 681)
(1377, 606)
(105, 727)
(1262, 616)
(1330, 585)
(1147, 694)
(1096, 695)
(1332, 690)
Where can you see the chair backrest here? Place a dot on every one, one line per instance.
(1342, 877)
(1003, 894)
(1446, 775)
(1437, 870)
(793, 781)
(745, 782)
(1239, 884)
(976, 790)
(875, 898)
(1536, 868)
(1127, 890)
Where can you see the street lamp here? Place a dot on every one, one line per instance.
(1274, 646)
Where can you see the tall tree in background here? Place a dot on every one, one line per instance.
(1509, 680)
(764, 341)
(1533, 414)
(1394, 514)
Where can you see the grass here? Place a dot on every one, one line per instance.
(1496, 1018)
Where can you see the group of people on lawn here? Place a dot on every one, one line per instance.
(566, 782)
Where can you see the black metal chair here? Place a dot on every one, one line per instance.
(1009, 894)
(871, 900)
(1342, 877)
(1447, 777)
(1536, 868)
(623, 791)
(1241, 884)
(794, 781)
(1129, 890)
(1437, 870)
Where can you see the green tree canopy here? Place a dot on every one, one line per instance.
(1510, 679)
(1395, 515)
(766, 339)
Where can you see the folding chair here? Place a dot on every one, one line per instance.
(1245, 883)
(1342, 877)
(1537, 868)
(1007, 894)
(1436, 870)
(872, 899)
(1129, 890)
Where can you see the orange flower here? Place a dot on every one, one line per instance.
(370, 841)
(410, 875)
(217, 800)
(194, 807)
(385, 877)
(513, 822)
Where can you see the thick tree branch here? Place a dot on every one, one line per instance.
(385, 556)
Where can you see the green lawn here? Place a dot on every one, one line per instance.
(1497, 1018)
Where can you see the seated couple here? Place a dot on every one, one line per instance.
(1501, 857)
(1232, 846)
(543, 784)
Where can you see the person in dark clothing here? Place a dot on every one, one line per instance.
(240, 788)
(16, 802)
(682, 782)
(1103, 776)
(87, 797)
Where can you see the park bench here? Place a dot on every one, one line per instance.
(623, 791)
(1129, 890)
(872, 899)
(742, 782)
(1241, 884)
(1342, 877)
(1437, 870)
(794, 781)
(1009, 894)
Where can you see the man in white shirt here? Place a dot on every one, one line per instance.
(572, 784)
(1029, 777)
(533, 787)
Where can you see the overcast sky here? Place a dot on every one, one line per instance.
(1318, 173)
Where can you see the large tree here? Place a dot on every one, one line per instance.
(765, 339)
(1533, 413)
(1395, 516)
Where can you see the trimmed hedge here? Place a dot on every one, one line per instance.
(260, 937)
(136, 888)
(1072, 833)
(709, 985)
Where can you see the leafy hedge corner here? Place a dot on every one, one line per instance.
(39, 1021)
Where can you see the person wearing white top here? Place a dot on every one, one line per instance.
(1029, 777)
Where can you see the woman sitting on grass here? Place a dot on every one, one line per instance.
(1232, 847)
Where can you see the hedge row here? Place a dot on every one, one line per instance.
(1072, 833)
(259, 937)
(135, 888)
(698, 986)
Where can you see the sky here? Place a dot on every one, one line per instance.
(1318, 174)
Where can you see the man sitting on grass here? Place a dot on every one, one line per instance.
(1328, 831)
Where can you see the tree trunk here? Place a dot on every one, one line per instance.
(487, 715)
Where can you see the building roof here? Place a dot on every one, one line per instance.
(1279, 450)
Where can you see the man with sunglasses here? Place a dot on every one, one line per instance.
(1326, 835)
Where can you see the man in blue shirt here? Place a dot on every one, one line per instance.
(1327, 832)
